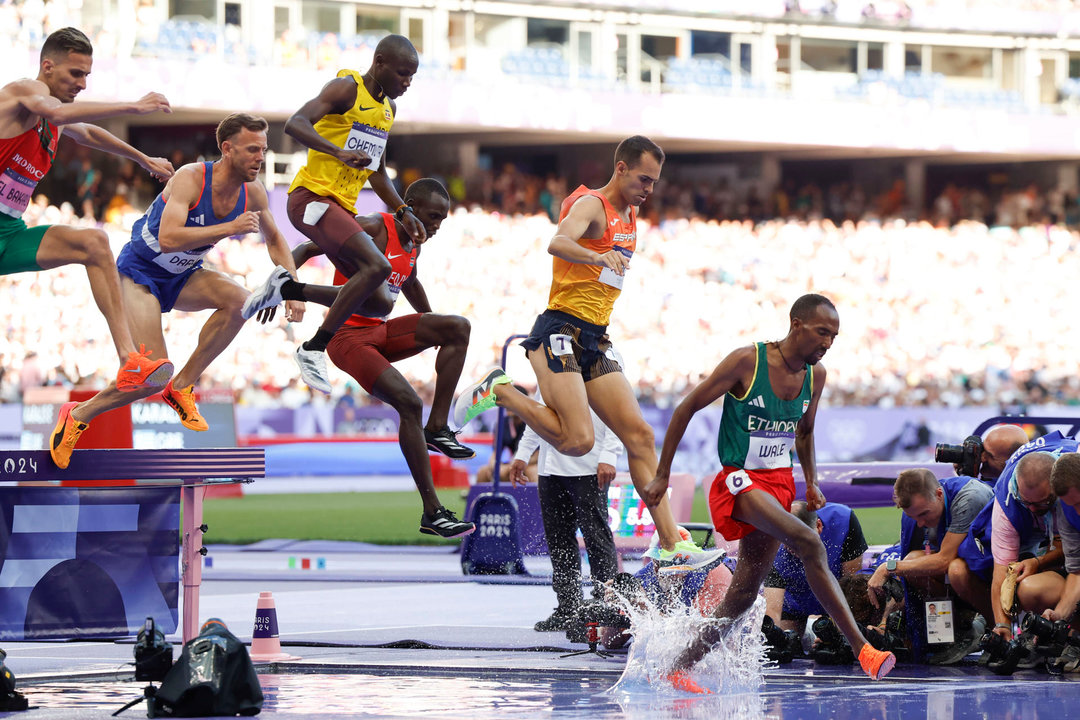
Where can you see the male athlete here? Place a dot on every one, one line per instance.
(33, 114)
(368, 344)
(771, 393)
(161, 269)
(569, 348)
(345, 128)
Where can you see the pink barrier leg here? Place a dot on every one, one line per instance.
(191, 499)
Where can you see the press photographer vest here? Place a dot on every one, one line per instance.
(911, 533)
(757, 430)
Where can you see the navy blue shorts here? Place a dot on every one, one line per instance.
(162, 284)
(573, 345)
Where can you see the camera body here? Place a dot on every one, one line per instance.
(782, 645)
(1001, 655)
(153, 656)
(832, 647)
(603, 615)
(966, 456)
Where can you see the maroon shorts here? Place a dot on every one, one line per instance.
(366, 352)
(331, 230)
(731, 482)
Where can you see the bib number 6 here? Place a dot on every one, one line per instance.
(738, 481)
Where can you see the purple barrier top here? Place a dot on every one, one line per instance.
(868, 484)
(26, 466)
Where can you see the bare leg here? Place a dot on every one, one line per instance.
(62, 245)
(1040, 591)
(366, 267)
(207, 289)
(451, 334)
(393, 389)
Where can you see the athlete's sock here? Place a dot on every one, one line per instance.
(320, 341)
(293, 290)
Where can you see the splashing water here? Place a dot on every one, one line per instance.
(734, 665)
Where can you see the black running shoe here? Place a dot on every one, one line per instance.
(445, 442)
(444, 524)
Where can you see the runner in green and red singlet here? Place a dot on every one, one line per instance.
(771, 393)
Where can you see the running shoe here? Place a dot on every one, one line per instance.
(876, 663)
(268, 295)
(445, 442)
(183, 402)
(681, 680)
(444, 524)
(65, 435)
(141, 373)
(685, 557)
(478, 398)
(313, 368)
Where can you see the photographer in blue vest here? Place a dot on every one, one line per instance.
(1013, 541)
(1065, 482)
(936, 517)
(789, 601)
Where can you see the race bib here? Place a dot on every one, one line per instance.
(561, 344)
(738, 481)
(368, 139)
(769, 450)
(15, 192)
(608, 277)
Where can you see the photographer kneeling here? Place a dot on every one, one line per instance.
(1017, 524)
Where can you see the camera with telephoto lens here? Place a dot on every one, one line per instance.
(1001, 655)
(782, 646)
(153, 656)
(966, 456)
(894, 589)
(1049, 632)
(832, 647)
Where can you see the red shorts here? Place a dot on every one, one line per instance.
(729, 482)
(366, 352)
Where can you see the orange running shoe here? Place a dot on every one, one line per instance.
(140, 372)
(65, 435)
(876, 663)
(183, 402)
(681, 680)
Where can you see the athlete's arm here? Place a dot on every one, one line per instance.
(386, 191)
(804, 443)
(101, 139)
(737, 368)
(587, 214)
(34, 97)
(276, 245)
(304, 252)
(414, 292)
(182, 193)
(335, 98)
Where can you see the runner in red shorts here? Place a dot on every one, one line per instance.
(771, 393)
(367, 345)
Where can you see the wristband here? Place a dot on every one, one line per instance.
(1003, 626)
(401, 210)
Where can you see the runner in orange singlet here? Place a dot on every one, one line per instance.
(569, 348)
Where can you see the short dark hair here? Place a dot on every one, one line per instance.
(854, 588)
(806, 516)
(397, 46)
(916, 481)
(231, 125)
(1065, 475)
(424, 188)
(64, 41)
(631, 149)
(805, 306)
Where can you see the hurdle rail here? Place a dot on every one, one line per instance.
(190, 470)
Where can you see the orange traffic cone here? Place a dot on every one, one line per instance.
(265, 645)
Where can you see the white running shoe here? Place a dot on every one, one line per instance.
(268, 295)
(313, 368)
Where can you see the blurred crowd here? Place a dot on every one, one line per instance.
(941, 316)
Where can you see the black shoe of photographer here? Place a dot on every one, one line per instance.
(558, 621)
(966, 645)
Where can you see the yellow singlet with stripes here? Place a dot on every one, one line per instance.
(365, 126)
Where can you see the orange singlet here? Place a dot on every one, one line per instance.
(588, 292)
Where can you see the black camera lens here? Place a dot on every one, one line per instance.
(945, 453)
